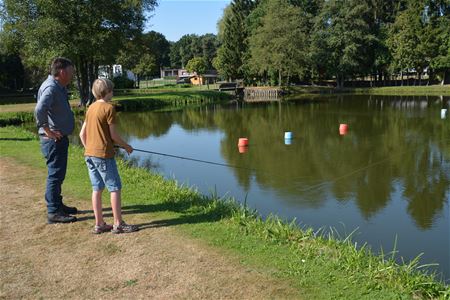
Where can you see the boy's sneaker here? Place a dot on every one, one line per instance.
(60, 217)
(124, 228)
(102, 228)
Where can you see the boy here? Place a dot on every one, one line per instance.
(98, 136)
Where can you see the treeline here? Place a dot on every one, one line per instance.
(281, 41)
(91, 33)
(262, 42)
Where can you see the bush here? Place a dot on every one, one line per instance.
(123, 82)
(15, 118)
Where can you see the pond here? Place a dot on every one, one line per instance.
(387, 177)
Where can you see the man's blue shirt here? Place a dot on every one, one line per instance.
(53, 108)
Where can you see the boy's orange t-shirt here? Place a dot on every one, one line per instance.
(98, 137)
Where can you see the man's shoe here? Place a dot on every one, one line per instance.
(69, 210)
(60, 217)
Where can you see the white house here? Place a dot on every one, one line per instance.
(117, 70)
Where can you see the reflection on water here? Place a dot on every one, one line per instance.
(388, 175)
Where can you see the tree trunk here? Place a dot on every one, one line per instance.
(91, 79)
(279, 78)
(77, 75)
(339, 81)
(82, 80)
(110, 72)
(137, 83)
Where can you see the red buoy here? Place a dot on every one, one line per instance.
(243, 142)
(243, 149)
(343, 129)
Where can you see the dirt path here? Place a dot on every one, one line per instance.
(67, 261)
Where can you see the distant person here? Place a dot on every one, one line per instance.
(55, 121)
(98, 136)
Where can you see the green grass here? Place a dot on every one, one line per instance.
(126, 100)
(15, 118)
(320, 266)
(433, 90)
(134, 101)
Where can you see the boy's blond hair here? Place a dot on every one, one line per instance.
(102, 87)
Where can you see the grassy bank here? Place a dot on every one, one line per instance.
(320, 266)
(434, 90)
(133, 100)
(15, 118)
(137, 100)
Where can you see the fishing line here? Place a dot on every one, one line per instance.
(381, 161)
(346, 175)
(193, 159)
(312, 187)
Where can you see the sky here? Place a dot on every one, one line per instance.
(175, 18)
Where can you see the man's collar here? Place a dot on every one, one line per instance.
(56, 81)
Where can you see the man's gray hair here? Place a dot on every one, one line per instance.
(58, 64)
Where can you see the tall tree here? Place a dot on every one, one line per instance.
(440, 18)
(411, 39)
(210, 44)
(341, 39)
(190, 46)
(156, 44)
(89, 32)
(12, 75)
(280, 44)
(186, 48)
(233, 53)
(151, 47)
(198, 65)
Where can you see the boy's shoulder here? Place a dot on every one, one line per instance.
(99, 109)
(104, 106)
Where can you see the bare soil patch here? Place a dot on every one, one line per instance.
(67, 261)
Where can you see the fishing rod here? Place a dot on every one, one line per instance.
(192, 159)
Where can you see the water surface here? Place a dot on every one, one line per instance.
(389, 176)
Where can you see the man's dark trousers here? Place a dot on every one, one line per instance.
(56, 153)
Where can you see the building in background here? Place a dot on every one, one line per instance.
(183, 76)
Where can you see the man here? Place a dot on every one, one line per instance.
(55, 121)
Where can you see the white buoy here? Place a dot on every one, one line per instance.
(288, 135)
(443, 113)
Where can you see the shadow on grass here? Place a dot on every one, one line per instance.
(17, 139)
(205, 212)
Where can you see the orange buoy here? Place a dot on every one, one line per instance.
(243, 142)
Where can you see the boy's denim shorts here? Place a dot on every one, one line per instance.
(103, 172)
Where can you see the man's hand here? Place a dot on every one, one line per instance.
(128, 148)
(54, 135)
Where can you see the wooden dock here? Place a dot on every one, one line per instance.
(261, 94)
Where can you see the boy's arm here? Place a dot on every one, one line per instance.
(83, 134)
(118, 140)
